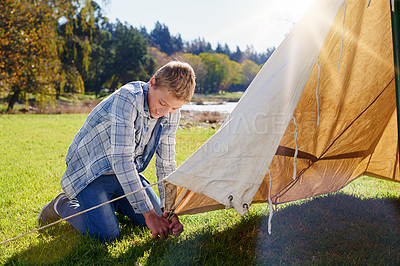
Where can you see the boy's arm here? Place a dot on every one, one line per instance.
(165, 164)
(165, 153)
(123, 115)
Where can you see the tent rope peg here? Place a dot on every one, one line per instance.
(296, 149)
(271, 210)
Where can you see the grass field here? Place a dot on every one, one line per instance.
(358, 225)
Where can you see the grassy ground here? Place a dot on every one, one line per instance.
(358, 225)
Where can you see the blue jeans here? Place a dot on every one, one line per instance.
(102, 222)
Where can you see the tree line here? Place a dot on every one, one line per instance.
(49, 48)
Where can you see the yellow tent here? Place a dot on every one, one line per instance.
(321, 112)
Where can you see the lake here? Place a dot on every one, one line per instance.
(210, 107)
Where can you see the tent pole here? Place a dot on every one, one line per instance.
(395, 11)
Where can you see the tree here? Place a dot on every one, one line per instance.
(198, 67)
(219, 49)
(75, 54)
(233, 72)
(161, 37)
(130, 56)
(101, 57)
(28, 49)
(249, 70)
(237, 56)
(30, 45)
(198, 46)
(177, 44)
(216, 72)
(159, 57)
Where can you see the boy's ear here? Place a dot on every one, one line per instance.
(152, 81)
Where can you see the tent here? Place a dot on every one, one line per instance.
(320, 113)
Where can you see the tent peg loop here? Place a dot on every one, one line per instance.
(245, 206)
(171, 215)
(230, 198)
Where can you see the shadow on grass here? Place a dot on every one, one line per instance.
(334, 229)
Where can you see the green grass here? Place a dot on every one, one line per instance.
(358, 225)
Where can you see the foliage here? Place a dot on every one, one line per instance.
(103, 55)
(76, 34)
(199, 68)
(130, 61)
(51, 48)
(249, 70)
(160, 37)
(198, 46)
(216, 72)
(233, 75)
(28, 48)
(31, 46)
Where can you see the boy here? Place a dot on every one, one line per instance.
(115, 144)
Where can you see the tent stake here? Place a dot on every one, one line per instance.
(395, 8)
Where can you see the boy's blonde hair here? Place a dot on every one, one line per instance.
(178, 77)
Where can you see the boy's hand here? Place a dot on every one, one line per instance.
(176, 228)
(158, 226)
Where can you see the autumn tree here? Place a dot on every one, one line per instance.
(30, 45)
(216, 72)
(28, 49)
(233, 72)
(249, 70)
(198, 67)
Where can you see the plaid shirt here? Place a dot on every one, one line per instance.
(112, 138)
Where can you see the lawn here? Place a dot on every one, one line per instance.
(358, 225)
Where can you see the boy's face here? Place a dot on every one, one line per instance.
(161, 101)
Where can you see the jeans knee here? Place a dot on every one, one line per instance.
(106, 234)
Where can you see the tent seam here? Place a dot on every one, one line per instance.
(317, 93)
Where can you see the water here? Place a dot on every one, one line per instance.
(210, 107)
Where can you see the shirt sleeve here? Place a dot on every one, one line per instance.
(165, 153)
(123, 116)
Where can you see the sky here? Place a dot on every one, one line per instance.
(259, 23)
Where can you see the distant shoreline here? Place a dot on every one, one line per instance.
(201, 112)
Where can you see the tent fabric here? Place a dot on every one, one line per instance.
(345, 113)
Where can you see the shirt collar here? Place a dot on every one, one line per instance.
(145, 89)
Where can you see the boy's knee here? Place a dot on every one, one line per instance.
(106, 234)
(104, 229)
